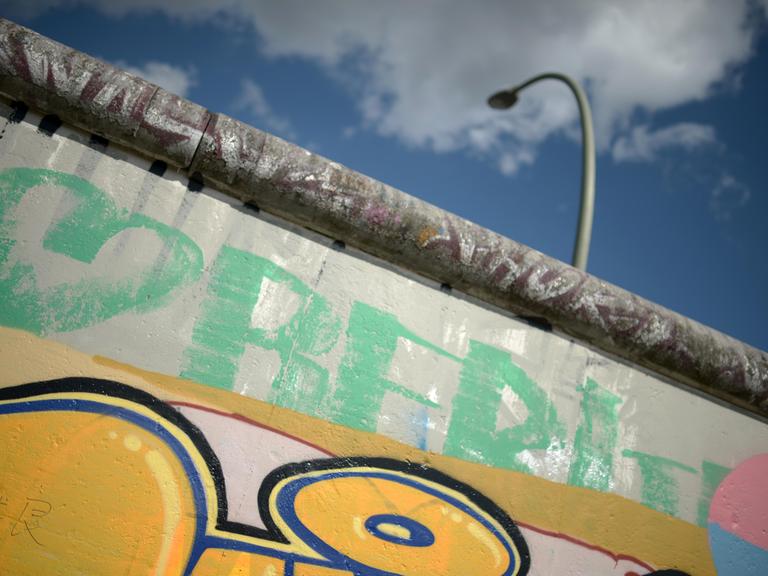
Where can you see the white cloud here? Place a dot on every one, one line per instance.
(644, 145)
(421, 71)
(252, 100)
(511, 162)
(728, 196)
(173, 78)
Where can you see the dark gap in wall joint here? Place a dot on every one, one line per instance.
(18, 112)
(158, 167)
(49, 124)
(252, 206)
(98, 142)
(537, 322)
(196, 182)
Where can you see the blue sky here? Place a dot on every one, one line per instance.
(396, 90)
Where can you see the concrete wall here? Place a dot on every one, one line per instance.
(540, 455)
(189, 385)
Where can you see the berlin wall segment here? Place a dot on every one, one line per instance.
(350, 420)
(71, 234)
(223, 331)
(322, 195)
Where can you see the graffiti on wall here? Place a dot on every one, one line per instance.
(101, 477)
(224, 330)
(738, 520)
(509, 465)
(80, 235)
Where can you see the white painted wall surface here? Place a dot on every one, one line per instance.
(649, 440)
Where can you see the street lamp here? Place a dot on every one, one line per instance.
(507, 98)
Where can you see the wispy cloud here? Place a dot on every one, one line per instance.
(252, 100)
(642, 144)
(173, 78)
(511, 162)
(727, 197)
(421, 71)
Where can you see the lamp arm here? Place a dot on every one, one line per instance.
(587, 204)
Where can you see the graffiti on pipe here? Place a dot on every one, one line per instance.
(103, 478)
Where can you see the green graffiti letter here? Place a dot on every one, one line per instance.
(711, 476)
(596, 438)
(660, 489)
(220, 336)
(372, 337)
(472, 433)
(43, 308)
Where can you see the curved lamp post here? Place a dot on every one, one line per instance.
(507, 98)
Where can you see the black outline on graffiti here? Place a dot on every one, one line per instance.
(412, 469)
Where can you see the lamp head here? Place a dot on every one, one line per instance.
(503, 99)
